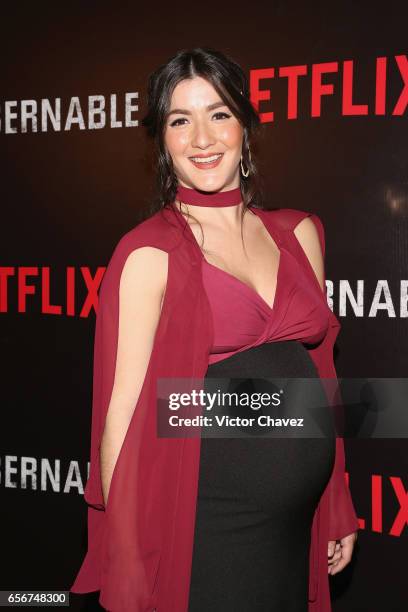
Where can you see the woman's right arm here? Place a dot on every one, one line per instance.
(142, 285)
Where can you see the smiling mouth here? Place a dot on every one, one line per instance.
(210, 160)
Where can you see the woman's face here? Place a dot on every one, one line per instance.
(200, 126)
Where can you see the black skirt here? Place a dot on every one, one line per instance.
(256, 501)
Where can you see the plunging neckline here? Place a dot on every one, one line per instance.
(250, 289)
(253, 291)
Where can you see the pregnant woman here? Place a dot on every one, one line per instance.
(212, 284)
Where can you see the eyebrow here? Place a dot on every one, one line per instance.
(184, 111)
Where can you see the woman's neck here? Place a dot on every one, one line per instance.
(222, 209)
(213, 199)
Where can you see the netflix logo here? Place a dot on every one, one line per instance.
(31, 286)
(386, 491)
(327, 79)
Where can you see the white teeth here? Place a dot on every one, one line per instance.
(205, 160)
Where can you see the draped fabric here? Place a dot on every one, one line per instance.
(140, 543)
(242, 319)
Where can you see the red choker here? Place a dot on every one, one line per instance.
(232, 197)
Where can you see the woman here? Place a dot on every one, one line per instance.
(211, 285)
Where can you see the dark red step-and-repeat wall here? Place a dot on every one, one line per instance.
(331, 83)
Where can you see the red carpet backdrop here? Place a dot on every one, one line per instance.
(331, 84)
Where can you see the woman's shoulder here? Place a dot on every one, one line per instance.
(288, 218)
(154, 232)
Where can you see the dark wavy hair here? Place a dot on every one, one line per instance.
(230, 82)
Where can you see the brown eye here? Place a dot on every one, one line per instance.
(222, 115)
(176, 122)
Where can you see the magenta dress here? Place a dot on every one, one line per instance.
(257, 497)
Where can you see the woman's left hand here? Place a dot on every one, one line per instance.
(340, 553)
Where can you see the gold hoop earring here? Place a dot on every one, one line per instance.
(245, 174)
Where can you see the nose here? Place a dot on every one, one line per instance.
(203, 136)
